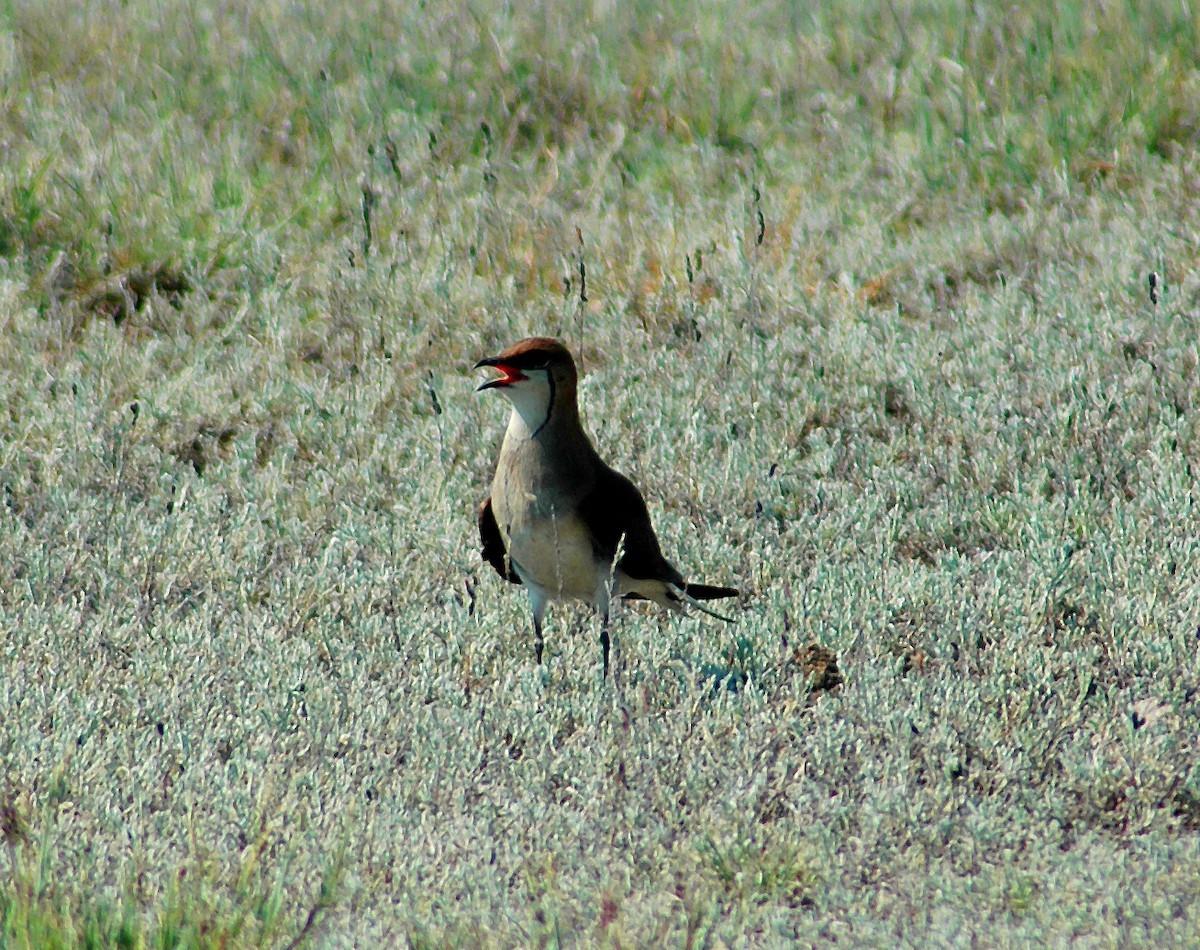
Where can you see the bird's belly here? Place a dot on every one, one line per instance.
(556, 555)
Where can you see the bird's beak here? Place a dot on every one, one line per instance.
(510, 374)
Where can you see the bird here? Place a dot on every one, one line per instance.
(559, 520)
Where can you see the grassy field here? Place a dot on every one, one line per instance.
(862, 298)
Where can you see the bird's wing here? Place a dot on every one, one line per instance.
(616, 517)
(493, 549)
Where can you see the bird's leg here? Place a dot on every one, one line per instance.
(538, 602)
(604, 597)
(605, 644)
(603, 603)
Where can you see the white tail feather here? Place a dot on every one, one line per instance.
(691, 601)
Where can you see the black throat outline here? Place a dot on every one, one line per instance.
(549, 405)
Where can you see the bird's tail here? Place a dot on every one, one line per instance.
(692, 594)
(676, 596)
(710, 591)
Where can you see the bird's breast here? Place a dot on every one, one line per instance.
(549, 545)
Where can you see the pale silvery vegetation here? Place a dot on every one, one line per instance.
(868, 320)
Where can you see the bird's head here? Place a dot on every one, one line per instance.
(536, 374)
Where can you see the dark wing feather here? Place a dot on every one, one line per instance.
(493, 550)
(614, 509)
(698, 592)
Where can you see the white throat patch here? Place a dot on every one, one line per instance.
(531, 398)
